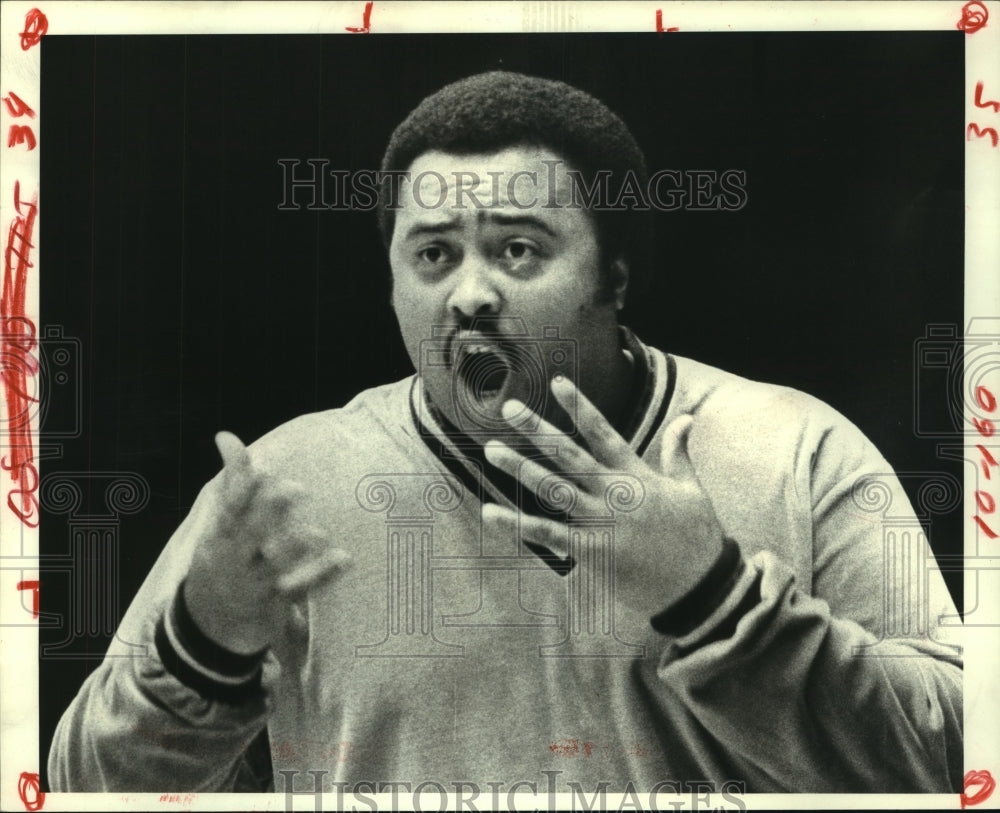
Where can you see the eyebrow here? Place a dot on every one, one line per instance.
(494, 217)
(439, 227)
(505, 219)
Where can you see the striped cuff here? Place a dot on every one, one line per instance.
(708, 595)
(186, 653)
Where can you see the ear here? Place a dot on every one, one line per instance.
(619, 281)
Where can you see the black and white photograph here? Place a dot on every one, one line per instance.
(499, 406)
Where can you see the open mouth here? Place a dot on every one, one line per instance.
(483, 368)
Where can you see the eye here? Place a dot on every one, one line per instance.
(519, 250)
(434, 255)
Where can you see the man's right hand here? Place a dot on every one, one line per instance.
(259, 555)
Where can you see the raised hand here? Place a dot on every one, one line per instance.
(663, 546)
(258, 556)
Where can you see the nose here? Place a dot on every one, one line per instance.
(475, 292)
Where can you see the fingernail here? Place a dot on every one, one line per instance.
(492, 511)
(512, 408)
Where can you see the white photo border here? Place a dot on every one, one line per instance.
(20, 26)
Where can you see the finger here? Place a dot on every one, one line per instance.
(605, 444)
(570, 456)
(235, 455)
(541, 531)
(676, 461)
(286, 547)
(530, 473)
(275, 495)
(296, 623)
(239, 483)
(312, 572)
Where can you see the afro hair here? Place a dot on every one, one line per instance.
(492, 111)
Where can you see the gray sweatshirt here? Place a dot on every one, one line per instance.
(813, 658)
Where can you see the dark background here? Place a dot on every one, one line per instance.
(200, 306)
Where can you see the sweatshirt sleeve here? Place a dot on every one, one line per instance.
(849, 684)
(151, 718)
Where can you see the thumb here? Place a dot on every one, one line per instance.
(234, 454)
(239, 482)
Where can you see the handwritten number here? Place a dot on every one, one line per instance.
(985, 427)
(979, 99)
(987, 461)
(974, 130)
(986, 529)
(17, 107)
(985, 399)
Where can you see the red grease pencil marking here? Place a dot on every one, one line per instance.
(17, 341)
(366, 21)
(984, 427)
(565, 747)
(18, 108)
(33, 587)
(36, 25)
(21, 134)
(984, 783)
(987, 461)
(979, 99)
(984, 397)
(974, 130)
(974, 17)
(29, 783)
(571, 748)
(985, 501)
(986, 529)
(659, 23)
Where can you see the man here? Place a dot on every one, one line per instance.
(553, 555)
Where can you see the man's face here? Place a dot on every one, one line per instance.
(485, 265)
